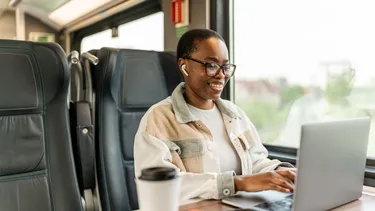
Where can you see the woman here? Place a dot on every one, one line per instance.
(211, 141)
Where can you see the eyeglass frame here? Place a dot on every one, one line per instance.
(218, 71)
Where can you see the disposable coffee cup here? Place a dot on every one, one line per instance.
(158, 189)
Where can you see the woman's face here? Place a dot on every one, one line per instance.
(214, 52)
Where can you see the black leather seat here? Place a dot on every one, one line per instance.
(36, 163)
(127, 83)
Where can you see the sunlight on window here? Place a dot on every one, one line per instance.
(146, 33)
(304, 61)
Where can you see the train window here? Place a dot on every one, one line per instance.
(300, 61)
(146, 33)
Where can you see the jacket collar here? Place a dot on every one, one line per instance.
(181, 109)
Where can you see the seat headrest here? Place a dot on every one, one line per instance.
(31, 74)
(19, 88)
(143, 78)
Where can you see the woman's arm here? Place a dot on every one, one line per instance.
(151, 152)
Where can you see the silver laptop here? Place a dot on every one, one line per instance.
(331, 162)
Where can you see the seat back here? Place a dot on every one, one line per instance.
(126, 83)
(36, 163)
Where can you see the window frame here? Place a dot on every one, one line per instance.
(221, 21)
(222, 18)
(133, 13)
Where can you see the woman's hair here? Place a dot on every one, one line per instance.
(188, 41)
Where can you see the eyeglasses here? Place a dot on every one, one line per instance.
(212, 69)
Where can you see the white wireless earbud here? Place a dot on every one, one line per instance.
(184, 69)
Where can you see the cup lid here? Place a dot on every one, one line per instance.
(158, 174)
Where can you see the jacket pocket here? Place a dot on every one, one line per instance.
(186, 148)
(190, 154)
(246, 140)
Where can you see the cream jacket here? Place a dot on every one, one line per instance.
(169, 136)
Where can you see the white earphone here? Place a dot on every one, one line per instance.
(184, 69)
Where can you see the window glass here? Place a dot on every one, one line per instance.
(304, 61)
(146, 33)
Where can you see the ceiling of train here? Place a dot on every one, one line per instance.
(56, 13)
(46, 5)
(3, 5)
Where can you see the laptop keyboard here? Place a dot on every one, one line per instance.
(285, 204)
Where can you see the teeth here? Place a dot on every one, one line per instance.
(217, 86)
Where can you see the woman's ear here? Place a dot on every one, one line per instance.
(182, 65)
(183, 68)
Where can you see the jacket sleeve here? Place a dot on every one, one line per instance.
(151, 152)
(259, 154)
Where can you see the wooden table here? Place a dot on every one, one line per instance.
(365, 203)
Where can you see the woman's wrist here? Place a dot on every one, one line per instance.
(237, 183)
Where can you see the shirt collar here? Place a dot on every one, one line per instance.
(181, 109)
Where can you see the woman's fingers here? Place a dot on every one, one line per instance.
(279, 188)
(283, 182)
(291, 175)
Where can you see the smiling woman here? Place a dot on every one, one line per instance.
(205, 67)
(208, 139)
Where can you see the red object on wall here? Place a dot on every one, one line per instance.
(176, 11)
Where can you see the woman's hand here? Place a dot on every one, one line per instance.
(279, 180)
(287, 172)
